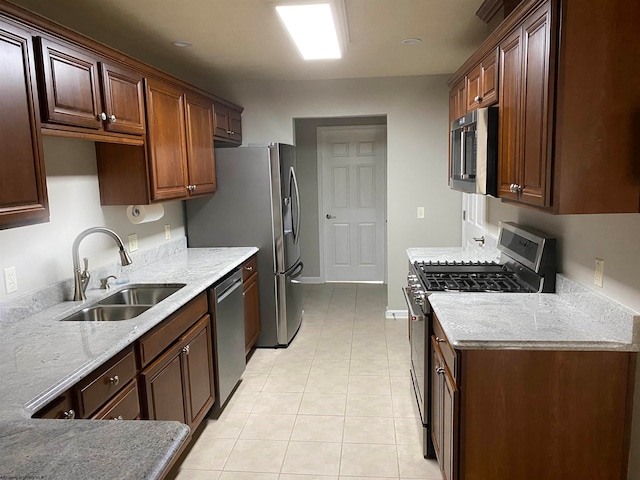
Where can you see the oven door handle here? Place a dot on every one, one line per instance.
(412, 315)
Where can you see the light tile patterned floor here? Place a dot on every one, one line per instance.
(336, 405)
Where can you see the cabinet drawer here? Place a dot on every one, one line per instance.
(124, 406)
(249, 268)
(157, 340)
(59, 409)
(99, 387)
(448, 353)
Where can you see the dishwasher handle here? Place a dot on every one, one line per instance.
(227, 287)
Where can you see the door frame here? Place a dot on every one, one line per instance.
(319, 130)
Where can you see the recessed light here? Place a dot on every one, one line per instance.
(411, 41)
(312, 28)
(180, 44)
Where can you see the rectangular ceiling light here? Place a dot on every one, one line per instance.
(312, 28)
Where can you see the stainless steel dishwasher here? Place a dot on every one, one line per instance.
(228, 334)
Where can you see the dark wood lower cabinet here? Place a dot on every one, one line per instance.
(532, 414)
(179, 384)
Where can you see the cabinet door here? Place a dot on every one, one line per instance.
(23, 190)
(489, 79)
(198, 370)
(59, 409)
(123, 96)
(449, 426)
(70, 86)
(166, 141)
(222, 125)
(533, 177)
(200, 154)
(235, 126)
(437, 387)
(509, 115)
(474, 88)
(165, 397)
(251, 312)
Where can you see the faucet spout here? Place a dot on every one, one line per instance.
(80, 285)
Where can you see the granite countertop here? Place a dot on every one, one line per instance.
(42, 357)
(573, 318)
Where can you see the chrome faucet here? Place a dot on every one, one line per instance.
(81, 278)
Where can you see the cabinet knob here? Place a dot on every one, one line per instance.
(519, 188)
(115, 380)
(69, 414)
(249, 268)
(186, 350)
(119, 417)
(112, 119)
(102, 116)
(440, 340)
(439, 370)
(191, 188)
(477, 99)
(229, 132)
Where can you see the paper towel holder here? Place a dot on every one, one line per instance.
(145, 213)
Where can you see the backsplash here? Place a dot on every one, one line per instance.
(36, 301)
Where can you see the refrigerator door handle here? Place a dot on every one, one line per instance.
(296, 271)
(293, 185)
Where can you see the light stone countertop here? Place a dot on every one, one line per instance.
(42, 357)
(573, 318)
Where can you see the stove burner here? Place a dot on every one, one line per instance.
(468, 277)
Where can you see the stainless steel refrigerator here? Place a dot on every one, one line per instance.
(257, 203)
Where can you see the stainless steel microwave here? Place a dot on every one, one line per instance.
(473, 166)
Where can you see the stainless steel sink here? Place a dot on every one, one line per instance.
(126, 304)
(107, 313)
(148, 294)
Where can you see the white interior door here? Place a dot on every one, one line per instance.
(352, 170)
(474, 216)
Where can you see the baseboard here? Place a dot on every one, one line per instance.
(394, 314)
(310, 280)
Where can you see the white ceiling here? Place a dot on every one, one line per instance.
(244, 39)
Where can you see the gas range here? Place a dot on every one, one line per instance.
(468, 277)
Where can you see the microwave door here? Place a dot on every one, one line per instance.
(469, 153)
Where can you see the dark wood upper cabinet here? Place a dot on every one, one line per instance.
(568, 105)
(70, 85)
(123, 94)
(228, 124)
(166, 141)
(482, 83)
(200, 153)
(23, 190)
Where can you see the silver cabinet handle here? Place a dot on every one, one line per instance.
(229, 132)
(480, 240)
(102, 116)
(477, 99)
(186, 350)
(249, 268)
(329, 216)
(115, 380)
(112, 119)
(69, 414)
(440, 340)
(119, 417)
(439, 370)
(519, 188)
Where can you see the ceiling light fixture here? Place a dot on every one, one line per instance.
(180, 44)
(411, 41)
(313, 29)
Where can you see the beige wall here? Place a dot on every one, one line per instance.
(417, 117)
(42, 253)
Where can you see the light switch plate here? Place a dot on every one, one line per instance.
(167, 232)
(420, 212)
(10, 280)
(133, 242)
(598, 274)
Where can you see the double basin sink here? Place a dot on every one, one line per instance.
(126, 304)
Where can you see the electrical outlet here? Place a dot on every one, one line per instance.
(598, 274)
(420, 212)
(167, 232)
(133, 242)
(10, 280)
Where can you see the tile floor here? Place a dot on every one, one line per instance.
(336, 405)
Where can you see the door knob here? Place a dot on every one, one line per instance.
(329, 216)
